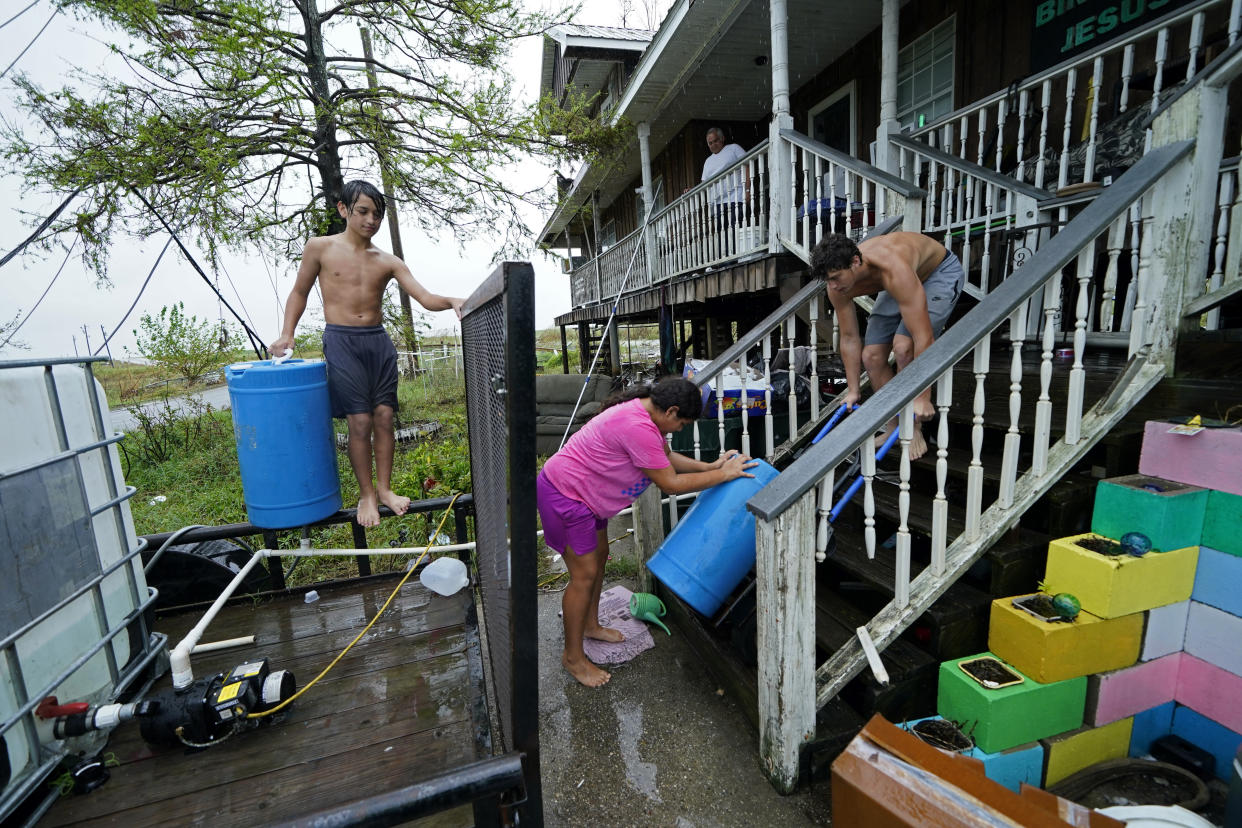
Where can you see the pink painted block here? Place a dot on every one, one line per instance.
(1210, 691)
(1207, 459)
(1113, 696)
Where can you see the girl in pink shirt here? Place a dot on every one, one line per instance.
(599, 472)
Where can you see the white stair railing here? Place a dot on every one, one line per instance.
(787, 507)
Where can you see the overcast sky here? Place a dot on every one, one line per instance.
(256, 288)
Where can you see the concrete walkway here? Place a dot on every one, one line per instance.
(658, 745)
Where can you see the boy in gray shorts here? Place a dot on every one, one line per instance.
(362, 362)
(917, 282)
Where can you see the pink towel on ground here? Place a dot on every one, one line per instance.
(614, 611)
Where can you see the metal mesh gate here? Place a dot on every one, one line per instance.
(498, 343)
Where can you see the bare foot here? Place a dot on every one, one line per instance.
(585, 672)
(368, 512)
(602, 633)
(398, 503)
(918, 446)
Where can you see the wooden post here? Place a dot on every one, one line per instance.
(648, 531)
(1182, 206)
(785, 575)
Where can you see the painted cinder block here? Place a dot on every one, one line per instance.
(1165, 632)
(1213, 737)
(1215, 636)
(1069, 753)
(1221, 521)
(1171, 517)
(1121, 693)
(1149, 726)
(1055, 651)
(1006, 717)
(1211, 691)
(1012, 767)
(1112, 586)
(1206, 459)
(1217, 579)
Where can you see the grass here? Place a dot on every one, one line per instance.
(192, 463)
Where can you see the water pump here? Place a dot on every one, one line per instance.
(204, 713)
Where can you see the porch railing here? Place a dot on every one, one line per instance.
(1059, 119)
(828, 191)
(792, 508)
(723, 218)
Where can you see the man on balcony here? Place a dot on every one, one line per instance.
(725, 196)
(917, 282)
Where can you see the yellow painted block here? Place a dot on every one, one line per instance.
(1049, 652)
(1110, 587)
(1069, 753)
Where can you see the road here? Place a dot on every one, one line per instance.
(217, 397)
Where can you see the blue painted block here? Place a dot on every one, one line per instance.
(1216, 580)
(1012, 767)
(1215, 738)
(1149, 726)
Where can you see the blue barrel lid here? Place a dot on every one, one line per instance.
(266, 373)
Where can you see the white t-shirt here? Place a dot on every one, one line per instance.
(730, 188)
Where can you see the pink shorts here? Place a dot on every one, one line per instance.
(566, 522)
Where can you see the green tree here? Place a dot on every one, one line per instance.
(182, 344)
(242, 119)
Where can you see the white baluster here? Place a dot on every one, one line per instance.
(1077, 377)
(1196, 44)
(823, 513)
(1139, 338)
(1108, 298)
(1162, 53)
(930, 216)
(763, 202)
(940, 506)
(769, 431)
(1127, 72)
(1002, 112)
(744, 371)
(1024, 101)
(816, 198)
(982, 128)
(1068, 117)
(1223, 200)
(813, 318)
(901, 585)
(1096, 78)
(974, 476)
(867, 470)
(808, 192)
(790, 327)
(720, 421)
(1235, 20)
(1045, 106)
(698, 441)
(1127, 310)
(1013, 437)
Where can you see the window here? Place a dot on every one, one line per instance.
(925, 77)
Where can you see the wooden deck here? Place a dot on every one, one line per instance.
(407, 702)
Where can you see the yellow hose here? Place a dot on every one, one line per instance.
(397, 589)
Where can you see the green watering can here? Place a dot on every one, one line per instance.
(646, 607)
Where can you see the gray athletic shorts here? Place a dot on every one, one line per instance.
(362, 369)
(942, 286)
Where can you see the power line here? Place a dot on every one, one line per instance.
(19, 14)
(136, 298)
(39, 230)
(13, 333)
(31, 43)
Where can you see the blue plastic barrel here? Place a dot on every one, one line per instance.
(285, 446)
(712, 547)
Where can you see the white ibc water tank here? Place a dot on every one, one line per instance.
(64, 520)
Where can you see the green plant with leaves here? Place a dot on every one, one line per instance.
(179, 343)
(241, 118)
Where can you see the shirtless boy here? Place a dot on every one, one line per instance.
(918, 282)
(362, 362)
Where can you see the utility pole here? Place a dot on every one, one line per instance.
(87, 334)
(394, 231)
(107, 349)
(75, 344)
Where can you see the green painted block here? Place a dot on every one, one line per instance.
(1172, 517)
(1009, 716)
(1221, 522)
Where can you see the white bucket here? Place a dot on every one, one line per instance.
(1156, 816)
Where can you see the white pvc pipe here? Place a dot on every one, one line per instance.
(311, 552)
(179, 661)
(224, 644)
